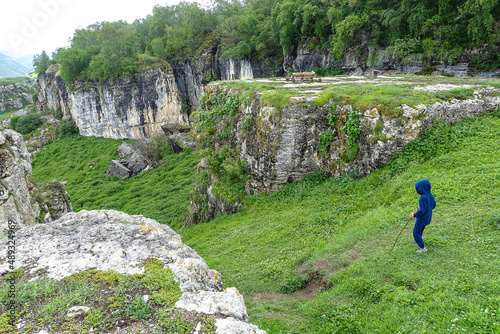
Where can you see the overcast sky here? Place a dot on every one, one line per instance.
(30, 26)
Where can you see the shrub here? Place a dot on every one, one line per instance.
(231, 172)
(96, 318)
(156, 148)
(25, 125)
(137, 308)
(324, 141)
(173, 324)
(428, 70)
(352, 128)
(68, 127)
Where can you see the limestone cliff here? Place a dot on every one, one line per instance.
(20, 200)
(16, 200)
(138, 106)
(363, 59)
(280, 145)
(127, 107)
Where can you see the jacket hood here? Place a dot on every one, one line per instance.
(423, 187)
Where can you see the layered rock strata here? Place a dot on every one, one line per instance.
(127, 107)
(281, 149)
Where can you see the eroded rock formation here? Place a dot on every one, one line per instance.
(287, 145)
(112, 240)
(126, 107)
(20, 200)
(16, 95)
(16, 189)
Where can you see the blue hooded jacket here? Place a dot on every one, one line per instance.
(426, 203)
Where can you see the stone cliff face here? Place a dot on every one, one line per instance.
(16, 95)
(128, 107)
(284, 146)
(363, 60)
(16, 201)
(20, 200)
(137, 106)
(281, 149)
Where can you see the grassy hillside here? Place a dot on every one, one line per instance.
(161, 194)
(337, 233)
(312, 257)
(10, 68)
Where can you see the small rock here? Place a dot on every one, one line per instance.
(204, 163)
(117, 169)
(125, 150)
(75, 310)
(137, 163)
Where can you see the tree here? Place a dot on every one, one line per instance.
(41, 63)
(74, 62)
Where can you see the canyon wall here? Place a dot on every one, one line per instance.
(126, 107)
(138, 105)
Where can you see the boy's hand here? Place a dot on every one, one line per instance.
(411, 215)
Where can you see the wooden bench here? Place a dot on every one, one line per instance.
(304, 76)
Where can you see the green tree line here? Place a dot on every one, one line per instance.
(261, 29)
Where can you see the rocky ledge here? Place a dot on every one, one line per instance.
(112, 240)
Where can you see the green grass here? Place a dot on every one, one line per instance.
(161, 194)
(10, 81)
(387, 98)
(113, 298)
(335, 231)
(340, 230)
(385, 95)
(6, 114)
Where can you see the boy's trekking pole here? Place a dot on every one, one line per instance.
(399, 235)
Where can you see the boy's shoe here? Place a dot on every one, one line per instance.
(414, 242)
(421, 250)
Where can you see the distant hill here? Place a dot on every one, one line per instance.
(10, 68)
(26, 61)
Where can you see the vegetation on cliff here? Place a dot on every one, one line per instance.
(262, 29)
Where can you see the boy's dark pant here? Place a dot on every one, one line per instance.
(417, 234)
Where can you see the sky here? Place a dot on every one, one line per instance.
(31, 26)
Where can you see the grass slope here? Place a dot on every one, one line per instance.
(336, 231)
(340, 230)
(161, 194)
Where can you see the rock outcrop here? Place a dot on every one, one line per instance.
(20, 200)
(203, 205)
(286, 145)
(16, 189)
(15, 96)
(363, 60)
(126, 107)
(284, 149)
(133, 162)
(112, 240)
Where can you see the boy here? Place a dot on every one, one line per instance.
(426, 204)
